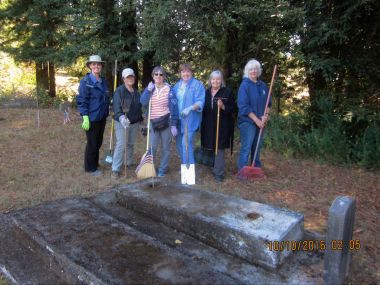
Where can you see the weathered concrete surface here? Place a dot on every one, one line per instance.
(98, 241)
(236, 226)
(91, 247)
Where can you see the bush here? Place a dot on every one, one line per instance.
(337, 138)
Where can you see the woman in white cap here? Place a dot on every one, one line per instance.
(127, 114)
(93, 103)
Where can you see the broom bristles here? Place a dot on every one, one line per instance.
(146, 170)
(249, 173)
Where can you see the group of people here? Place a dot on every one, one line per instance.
(176, 112)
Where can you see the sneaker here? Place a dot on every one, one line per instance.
(96, 173)
(115, 174)
(161, 174)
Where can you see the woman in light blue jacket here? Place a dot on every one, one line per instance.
(190, 94)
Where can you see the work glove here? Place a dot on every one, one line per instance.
(150, 86)
(173, 129)
(124, 121)
(185, 112)
(86, 123)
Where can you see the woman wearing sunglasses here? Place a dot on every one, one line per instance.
(163, 115)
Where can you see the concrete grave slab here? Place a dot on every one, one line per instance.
(239, 227)
(91, 247)
(96, 240)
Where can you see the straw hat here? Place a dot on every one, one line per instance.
(94, 58)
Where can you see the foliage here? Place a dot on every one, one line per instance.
(333, 140)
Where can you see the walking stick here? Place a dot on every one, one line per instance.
(217, 132)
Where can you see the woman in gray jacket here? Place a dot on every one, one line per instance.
(127, 115)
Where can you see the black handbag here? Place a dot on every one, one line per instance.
(161, 123)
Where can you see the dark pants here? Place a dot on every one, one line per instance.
(94, 142)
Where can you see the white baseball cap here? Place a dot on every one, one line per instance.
(127, 72)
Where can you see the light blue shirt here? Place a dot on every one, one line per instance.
(180, 96)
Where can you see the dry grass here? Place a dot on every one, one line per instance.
(45, 164)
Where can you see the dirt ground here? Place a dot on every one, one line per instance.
(46, 163)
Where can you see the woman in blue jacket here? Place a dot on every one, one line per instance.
(190, 94)
(93, 104)
(252, 97)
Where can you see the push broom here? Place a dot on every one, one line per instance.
(252, 171)
(108, 158)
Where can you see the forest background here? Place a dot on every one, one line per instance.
(326, 97)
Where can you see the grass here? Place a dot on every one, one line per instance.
(46, 163)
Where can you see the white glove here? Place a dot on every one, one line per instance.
(124, 121)
(185, 112)
(150, 86)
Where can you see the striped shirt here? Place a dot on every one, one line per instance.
(160, 102)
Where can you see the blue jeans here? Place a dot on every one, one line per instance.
(118, 156)
(249, 134)
(165, 137)
(181, 147)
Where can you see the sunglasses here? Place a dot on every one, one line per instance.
(158, 74)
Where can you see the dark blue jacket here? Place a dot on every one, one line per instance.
(173, 108)
(93, 99)
(252, 97)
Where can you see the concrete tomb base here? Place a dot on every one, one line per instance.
(169, 234)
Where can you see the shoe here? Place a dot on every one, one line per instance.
(96, 173)
(131, 166)
(161, 174)
(219, 178)
(115, 174)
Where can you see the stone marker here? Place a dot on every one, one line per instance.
(339, 240)
(239, 227)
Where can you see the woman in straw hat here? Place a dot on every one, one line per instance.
(93, 104)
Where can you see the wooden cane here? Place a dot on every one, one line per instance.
(217, 132)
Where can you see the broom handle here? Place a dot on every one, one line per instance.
(114, 88)
(217, 132)
(147, 137)
(265, 110)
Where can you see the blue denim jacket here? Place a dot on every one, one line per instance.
(93, 99)
(194, 93)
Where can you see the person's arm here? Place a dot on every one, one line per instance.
(83, 98)
(199, 97)
(145, 97)
(117, 104)
(173, 107)
(244, 107)
(228, 104)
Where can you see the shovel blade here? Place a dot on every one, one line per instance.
(191, 175)
(108, 159)
(183, 174)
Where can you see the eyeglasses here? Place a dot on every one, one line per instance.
(158, 74)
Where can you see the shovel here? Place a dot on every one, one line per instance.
(187, 170)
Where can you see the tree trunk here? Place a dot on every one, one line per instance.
(147, 69)
(52, 91)
(42, 75)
